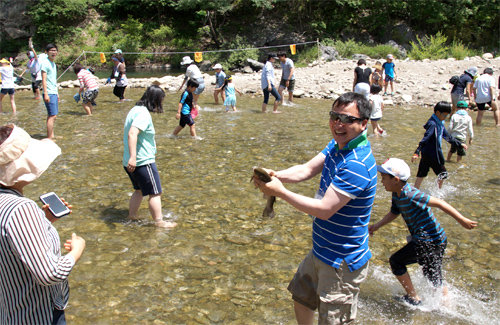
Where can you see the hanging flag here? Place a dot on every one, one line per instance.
(198, 56)
(103, 58)
(293, 49)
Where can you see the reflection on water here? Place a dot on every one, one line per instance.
(224, 263)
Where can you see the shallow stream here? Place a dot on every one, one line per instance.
(224, 263)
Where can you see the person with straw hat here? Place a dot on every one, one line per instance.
(33, 273)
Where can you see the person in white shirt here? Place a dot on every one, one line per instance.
(7, 74)
(460, 125)
(193, 73)
(484, 89)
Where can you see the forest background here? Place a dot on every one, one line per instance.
(422, 28)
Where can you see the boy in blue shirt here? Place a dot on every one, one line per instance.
(430, 145)
(185, 107)
(428, 239)
(390, 73)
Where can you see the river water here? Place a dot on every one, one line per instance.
(224, 263)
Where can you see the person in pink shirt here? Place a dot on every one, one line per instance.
(88, 88)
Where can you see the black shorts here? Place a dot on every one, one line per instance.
(427, 254)
(426, 163)
(458, 149)
(119, 91)
(186, 119)
(36, 85)
(145, 178)
(482, 106)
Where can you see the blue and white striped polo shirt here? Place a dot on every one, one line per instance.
(351, 171)
(412, 204)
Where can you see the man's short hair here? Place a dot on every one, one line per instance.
(282, 54)
(50, 46)
(363, 105)
(192, 83)
(488, 71)
(443, 107)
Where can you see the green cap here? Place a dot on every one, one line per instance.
(462, 104)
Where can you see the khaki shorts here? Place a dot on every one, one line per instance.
(334, 292)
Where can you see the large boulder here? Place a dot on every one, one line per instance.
(328, 53)
(255, 65)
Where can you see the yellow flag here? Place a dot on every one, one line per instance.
(293, 49)
(103, 58)
(198, 56)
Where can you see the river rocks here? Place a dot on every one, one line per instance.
(255, 65)
(406, 98)
(328, 53)
(487, 56)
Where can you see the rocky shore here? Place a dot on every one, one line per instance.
(418, 82)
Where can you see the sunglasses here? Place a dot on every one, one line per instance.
(344, 118)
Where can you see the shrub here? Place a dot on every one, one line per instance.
(432, 47)
(459, 51)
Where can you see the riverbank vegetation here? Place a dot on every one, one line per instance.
(422, 28)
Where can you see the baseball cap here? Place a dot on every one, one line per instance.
(462, 104)
(395, 167)
(217, 66)
(390, 56)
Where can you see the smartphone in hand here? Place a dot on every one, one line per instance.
(56, 206)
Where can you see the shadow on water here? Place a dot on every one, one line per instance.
(224, 263)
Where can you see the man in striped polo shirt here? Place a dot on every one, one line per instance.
(329, 277)
(428, 239)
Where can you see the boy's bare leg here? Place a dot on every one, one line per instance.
(1, 98)
(216, 97)
(405, 281)
(195, 99)
(192, 130)
(154, 203)
(13, 103)
(479, 117)
(177, 129)
(459, 158)
(50, 126)
(448, 158)
(87, 108)
(303, 315)
(280, 91)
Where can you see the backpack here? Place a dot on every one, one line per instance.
(454, 80)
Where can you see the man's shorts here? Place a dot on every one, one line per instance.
(53, 105)
(186, 119)
(7, 91)
(90, 95)
(145, 178)
(388, 78)
(456, 97)
(426, 163)
(482, 106)
(291, 84)
(201, 86)
(334, 292)
(458, 149)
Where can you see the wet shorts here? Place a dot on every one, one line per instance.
(482, 106)
(145, 178)
(427, 254)
(291, 84)
(186, 119)
(458, 149)
(53, 105)
(7, 91)
(334, 292)
(426, 163)
(90, 95)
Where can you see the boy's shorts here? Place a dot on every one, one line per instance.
(90, 95)
(427, 254)
(186, 119)
(482, 106)
(291, 84)
(53, 105)
(458, 149)
(426, 163)
(36, 85)
(201, 86)
(7, 91)
(388, 78)
(334, 292)
(145, 178)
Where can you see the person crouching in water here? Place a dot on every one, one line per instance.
(88, 87)
(185, 107)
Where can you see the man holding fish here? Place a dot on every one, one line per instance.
(329, 277)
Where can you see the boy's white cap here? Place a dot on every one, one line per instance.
(395, 167)
(118, 51)
(389, 56)
(217, 66)
(186, 60)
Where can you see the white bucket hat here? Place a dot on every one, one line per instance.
(217, 66)
(23, 158)
(395, 167)
(186, 60)
(118, 51)
(472, 71)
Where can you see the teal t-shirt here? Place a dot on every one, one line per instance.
(51, 69)
(140, 118)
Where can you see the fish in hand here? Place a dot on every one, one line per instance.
(261, 174)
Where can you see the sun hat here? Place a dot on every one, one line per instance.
(472, 71)
(23, 158)
(217, 66)
(378, 65)
(186, 60)
(395, 167)
(4, 60)
(118, 51)
(462, 104)
(390, 56)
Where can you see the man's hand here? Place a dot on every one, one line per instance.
(46, 98)
(414, 157)
(131, 164)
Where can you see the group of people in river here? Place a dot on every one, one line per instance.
(329, 277)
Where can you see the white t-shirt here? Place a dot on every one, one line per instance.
(483, 84)
(377, 101)
(193, 72)
(7, 72)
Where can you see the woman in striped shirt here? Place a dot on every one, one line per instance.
(33, 274)
(88, 87)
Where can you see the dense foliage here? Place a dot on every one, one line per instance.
(135, 25)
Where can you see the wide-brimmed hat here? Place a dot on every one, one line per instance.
(378, 65)
(23, 158)
(186, 60)
(217, 66)
(4, 60)
(395, 167)
(472, 71)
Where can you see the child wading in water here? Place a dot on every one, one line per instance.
(460, 125)
(428, 239)
(185, 108)
(230, 91)
(377, 107)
